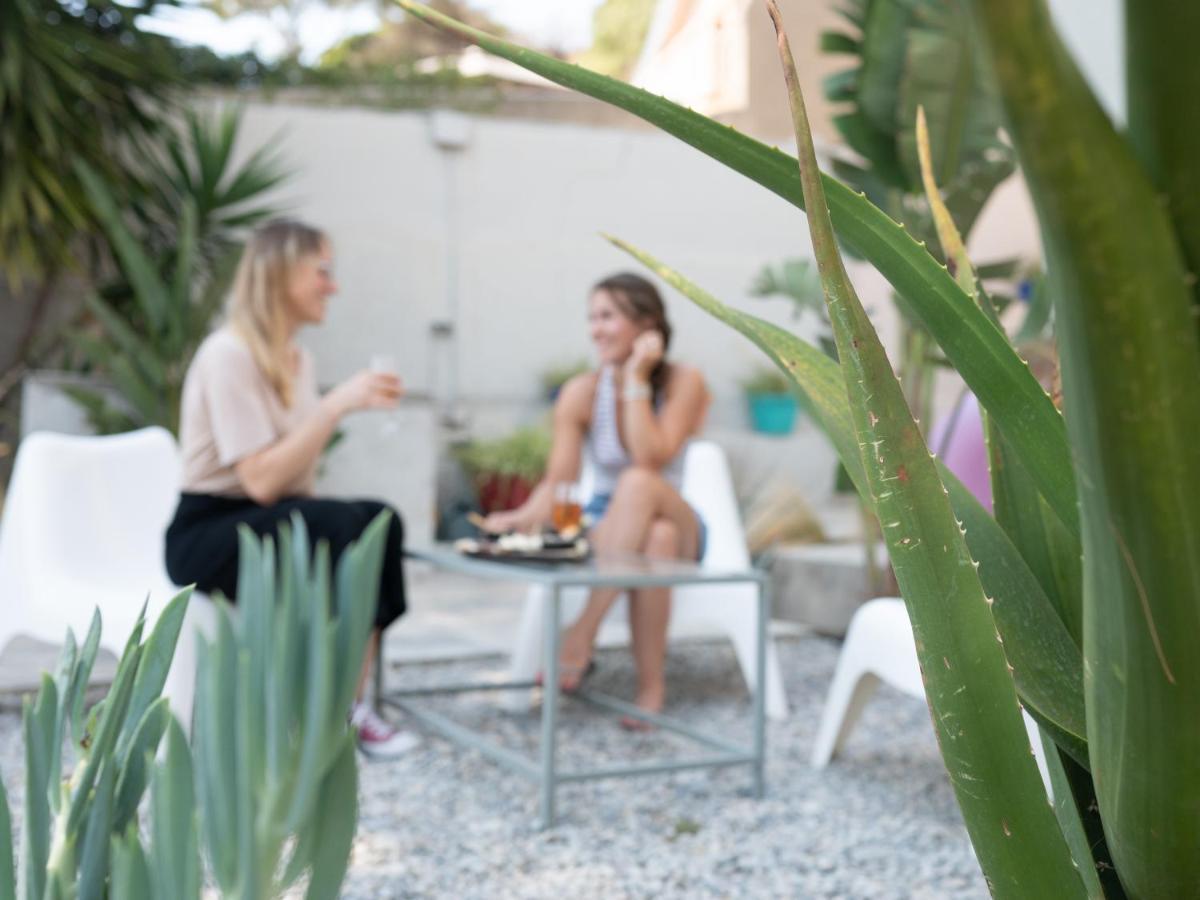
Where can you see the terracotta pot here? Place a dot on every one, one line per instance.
(498, 491)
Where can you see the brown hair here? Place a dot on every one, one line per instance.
(640, 302)
(257, 309)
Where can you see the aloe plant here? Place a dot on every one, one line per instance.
(1002, 609)
(268, 787)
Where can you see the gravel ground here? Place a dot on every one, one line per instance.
(880, 822)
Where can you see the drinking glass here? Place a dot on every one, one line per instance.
(567, 512)
(385, 364)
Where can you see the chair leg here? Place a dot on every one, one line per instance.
(527, 651)
(849, 693)
(742, 635)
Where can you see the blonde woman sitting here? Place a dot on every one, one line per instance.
(252, 428)
(635, 415)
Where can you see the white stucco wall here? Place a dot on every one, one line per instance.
(514, 217)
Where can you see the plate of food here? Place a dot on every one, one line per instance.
(546, 546)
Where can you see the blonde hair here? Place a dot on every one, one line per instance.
(258, 307)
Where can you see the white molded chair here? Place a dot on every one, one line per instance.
(695, 609)
(83, 528)
(879, 647)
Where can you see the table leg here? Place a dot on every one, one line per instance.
(549, 706)
(760, 690)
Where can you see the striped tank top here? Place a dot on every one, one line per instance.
(604, 447)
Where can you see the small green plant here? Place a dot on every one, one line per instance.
(268, 787)
(523, 454)
(555, 377)
(766, 380)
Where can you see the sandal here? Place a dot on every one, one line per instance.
(571, 679)
(631, 723)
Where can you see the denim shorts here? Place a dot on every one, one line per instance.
(598, 505)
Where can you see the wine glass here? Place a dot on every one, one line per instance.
(385, 364)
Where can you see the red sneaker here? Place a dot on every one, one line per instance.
(378, 738)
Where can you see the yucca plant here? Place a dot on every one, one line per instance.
(1080, 599)
(268, 786)
(176, 259)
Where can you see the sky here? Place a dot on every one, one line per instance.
(561, 24)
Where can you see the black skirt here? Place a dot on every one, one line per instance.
(202, 541)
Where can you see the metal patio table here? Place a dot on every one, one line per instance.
(624, 572)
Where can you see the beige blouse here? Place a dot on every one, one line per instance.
(230, 411)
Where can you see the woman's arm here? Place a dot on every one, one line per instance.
(571, 413)
(653, 439)
(265, 475)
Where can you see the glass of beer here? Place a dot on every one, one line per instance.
(567, 512)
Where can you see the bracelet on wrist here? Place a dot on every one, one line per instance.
(635, 390)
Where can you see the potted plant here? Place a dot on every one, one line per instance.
(505, 470)
(556, 376)
(771, 399)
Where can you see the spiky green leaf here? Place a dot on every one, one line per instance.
(979, 351)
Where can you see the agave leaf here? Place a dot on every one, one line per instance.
(1163, 77)
(130, 875)
(77, 692)
(971, 695)
(1047, 664)
(335, 825)
(138, 758)
(357, 595)
(94, 851)
(38, 720)
(175, 860)
(1050, 551)
(155, 662)
(216, 755)
(1130, 365)
(116, 703)
(981, 354)
(244, 775)
(1075, 806)
(314, 730)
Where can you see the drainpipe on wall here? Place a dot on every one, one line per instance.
(450, 132)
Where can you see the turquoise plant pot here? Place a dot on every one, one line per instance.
(773, 413)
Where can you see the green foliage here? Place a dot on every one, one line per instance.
(555, 377)
(77, 84)
(1125, 818)
(908, 54)
(619, 29)
(176, 258)
(271, 765)
(767, 380)
(522, 453)
(797, 280)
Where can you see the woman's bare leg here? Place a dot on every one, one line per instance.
(369, 657)
(649, 615)
(641, 497)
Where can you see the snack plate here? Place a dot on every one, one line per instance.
(576, 552)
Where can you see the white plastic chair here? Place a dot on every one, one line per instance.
(83, 528)
(695, 609)
(879, 648)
